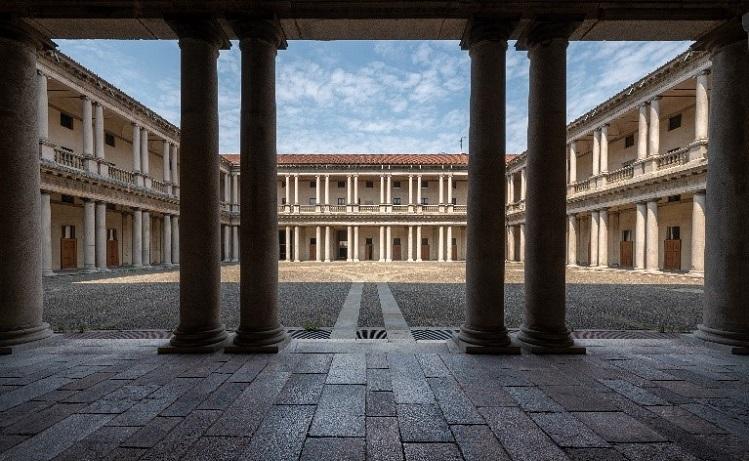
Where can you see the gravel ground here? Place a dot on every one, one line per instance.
(370, 314)
(590, 306)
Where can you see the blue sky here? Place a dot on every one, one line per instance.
(364, 96)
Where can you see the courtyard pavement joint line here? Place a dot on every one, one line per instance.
(396, 326)
(348, 318)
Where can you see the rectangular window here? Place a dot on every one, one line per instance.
(396, 184)
(341, 201)
(369, 241)
(312, 184)
(66, 120)
(425, 241)
(312, 201)
(674, 122)
(109, 139)
(455, 184)
(283, 184)
(396, 241)
(674, 198)
(313, 241)
(627, 235)
(341, 184)
(455, 241)
(111, 234)
(673, 233)
(425, 200)
(396, 200)
(629, 141)
(455, 201)
(67, 199)
(424, 184)
(283, 200)
(68, 232)
(369, 184)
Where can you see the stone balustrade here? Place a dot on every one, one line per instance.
(118, 174)
(70, 159)
(621, 174)
(673, 158)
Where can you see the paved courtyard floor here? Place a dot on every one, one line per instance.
(313, 295)
(678, 399)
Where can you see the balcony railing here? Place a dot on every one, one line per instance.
(70, 159)
(582, 185)
(128, 177)
(369, 208)
(430, 208)
(460, 208)
(161, 187)
(337, 208)
(622, 174)
(673, 158)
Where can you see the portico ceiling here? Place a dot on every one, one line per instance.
(376, 19)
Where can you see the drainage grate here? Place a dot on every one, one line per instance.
(433, 335)
(371, 333)
(120, 334)
(622, 334)
(309, 334)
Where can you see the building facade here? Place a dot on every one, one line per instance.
(635, 197)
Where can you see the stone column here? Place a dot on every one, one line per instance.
(510, 252)
(348, 190)
(260, 329)
(603, 238)
(594, 239)
(510, 189)
(726, 316)
(327, 189)
(200, 328)
(166, 252)
(389, 190)
(146, 238)
(652, 243)
(88, 126)
(544, 327)
(349, 241)
(596, 152)
(449, 189)
(234, 191)
(99, 138)
(573, 162)
(235, 245)
(137, 238)
(640, 236)
(296, 189)
(318, 241)
(382, 189)
(167, 163)
(654, 134)
(382, 244)
(136, 155)
(418, 190)
(227, 243)
(46, 150)
(484, 329)
(418, 243)
(297, 249)
(441, 194)
(89, 235)
(175, 178)
(356, 189)
(449, 244)
(356, 243)
(571, 240)
(642, 132)
(318, 197)
(410, 243)
(175, 240)
(521, 256)
(698, 234)
(327, 244)
(441, 244)
(410, 190)
(101, 235)
(145, 161)
(46, 231)
(701, 107)
(389, 243)
(21, 297)
(288, 244)
(288, 191)
(522, 184)
(604, 166)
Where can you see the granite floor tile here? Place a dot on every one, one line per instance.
(383, 439)
(455, 405)
(594, 454)
(653, 451)
(180, 439)
(379, 379)
(432, 452)
(632, 392)
(216, 449)
(579, 398)
(519, 435)
(618, 427)
(533, 399)
(340, 412)
(686, 420)
(348, 369)
(302, 389)
(567, 431)
(339, 449)
(281, 435)
(478, 443)
(422, 423)
(381, 404)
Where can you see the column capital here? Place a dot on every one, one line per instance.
(487, 29)
(20, 31)
(267, 30)
(727, 33)
(644, 104)
(655, 99)
(703, 72)
(544, 29)
(198, 28)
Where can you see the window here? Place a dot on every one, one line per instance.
(629, 141)
(66, 120)
(424, 184)
(369, 241)
(425, 241)
(341, 201)
(312, 201)
(455, 241)
(396, 200)
(674, 122)
(283, 184)
(112, 234)
(341, 184)
(109, 139)
(425, 200)
(67, 199)
(396, 241)
(312, 184)
(283, 200)
(627, 235)
(673, 233)
(312, 241)
(674, 198)
(369, 184)
(455, 184)
(396, 184)
(68, 232)
(455, 201)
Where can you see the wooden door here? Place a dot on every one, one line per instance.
(672, 255)
(68, 254)
(425, 251)
(626, 252)
(454, 249)
(113, 253)
(313, 252)
(369, 252)
(396, 252)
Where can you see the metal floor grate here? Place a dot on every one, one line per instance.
(622, 334)
(371, 333)
(309, 334)
(120, 334)
(433, 335)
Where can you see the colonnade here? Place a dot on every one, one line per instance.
(543, 330)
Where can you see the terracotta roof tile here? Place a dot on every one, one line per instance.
(368, 159)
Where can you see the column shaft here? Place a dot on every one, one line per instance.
(288, 244)
(603, 238)
(327, 244)
(449, 244)
(146, 238)
(89, 235)
(166, 162)
(175, 240)
(297, 247)
(88, 126)
(441, 244)
(137, 238)
(594, 239)
(318, 240)
(418, 243)
(642, 132)
(604, 149)
(166, 247)
(698, 233)
(701, 107)
(136, 149)
(382, 244)
(654, 134)
(410, 242)
(101, 236)
(356, 243)
(349, 241)
(573, 162)
(235, 245)
(571, 240)
(145, 161)
(521, 256)
(652, 246)
(99, 131)
(389, 243)
(46, 212)
(640, 236)
(227, 243)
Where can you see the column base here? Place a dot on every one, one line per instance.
(740, 351)
(739, 340)
(24, 335)
(541, 342)
(258, 341)
(202, 342)
(6, 351)
(489, 342)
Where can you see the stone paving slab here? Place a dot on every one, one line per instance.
(627, 400)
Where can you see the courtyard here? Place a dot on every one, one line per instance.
(432, 295)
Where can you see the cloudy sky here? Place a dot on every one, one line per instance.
(362, 96)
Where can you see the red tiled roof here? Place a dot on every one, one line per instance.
(368, 159)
